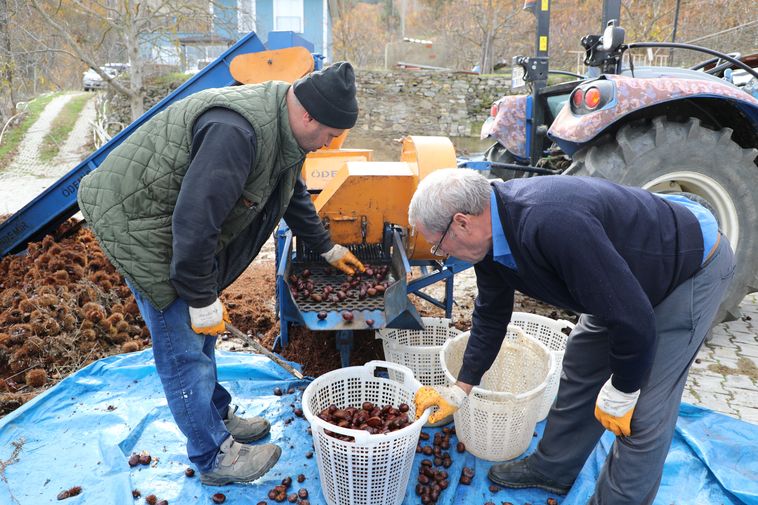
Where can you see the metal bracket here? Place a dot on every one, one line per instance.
(535, 67)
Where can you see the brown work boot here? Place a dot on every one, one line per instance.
(245, 430)
(241, 463)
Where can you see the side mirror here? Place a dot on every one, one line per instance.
(613, 36)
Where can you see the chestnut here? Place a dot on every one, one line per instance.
(286, 482)
(292, 498)
(321, 315)
(134, 459)
(302, 493)
(278, 391)
(189, 472)
(316, 297)
(369, 322)
(347, 315)
(301, 478)
(218, 498)
(460, 447)
(552, 501)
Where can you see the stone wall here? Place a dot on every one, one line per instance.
(425, 103)
(398, 102)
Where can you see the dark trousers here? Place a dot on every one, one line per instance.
(632, 471)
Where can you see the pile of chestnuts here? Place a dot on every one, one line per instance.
(373, 282)
(280, 493)
(368, 417)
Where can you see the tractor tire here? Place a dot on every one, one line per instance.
(499, 154)
(671, 157)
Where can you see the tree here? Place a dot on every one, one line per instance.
(358, 34)
(7, 90)
(132, 22)
(479, 29)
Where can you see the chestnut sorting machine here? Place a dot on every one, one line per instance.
(364, 204)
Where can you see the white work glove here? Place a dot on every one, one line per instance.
(447, 399)
(614, 409)
(209, 320)
(340, 257)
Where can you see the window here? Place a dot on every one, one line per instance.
(288, 15)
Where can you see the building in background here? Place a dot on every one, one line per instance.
(198, 42)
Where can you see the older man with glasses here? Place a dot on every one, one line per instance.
(647, 274)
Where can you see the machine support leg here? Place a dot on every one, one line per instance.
(449, 297)
(345, 345)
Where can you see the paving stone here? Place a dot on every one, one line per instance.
(709, 384)
(738, 382)
(748, 350)
(716, 401)
(725, 363)
(745, 398)
(689, 397)
(747, 414)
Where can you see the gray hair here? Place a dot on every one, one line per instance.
(445, 192)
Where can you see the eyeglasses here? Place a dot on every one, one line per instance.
(436, 247)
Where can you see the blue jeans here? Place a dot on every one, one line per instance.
(186, 365)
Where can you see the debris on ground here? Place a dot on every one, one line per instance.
(63, 305)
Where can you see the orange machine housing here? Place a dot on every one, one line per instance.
(363, 196)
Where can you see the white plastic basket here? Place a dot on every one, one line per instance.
(374, 468)
(497, 419)
(549, 332)
(419, 350)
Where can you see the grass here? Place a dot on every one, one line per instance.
(62, 126)
(13, 136)
(170, 78)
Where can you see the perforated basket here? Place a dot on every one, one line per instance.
(549, 332)
(419, 350)
(496, 421)
(374, 468)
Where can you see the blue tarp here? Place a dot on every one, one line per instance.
(81, 432)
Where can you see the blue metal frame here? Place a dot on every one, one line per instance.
(288, 313)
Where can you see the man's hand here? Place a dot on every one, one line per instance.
(448, 399)
(614, 409)
(340, 257)
(209, 320)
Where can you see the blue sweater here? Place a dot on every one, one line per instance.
(589, 246)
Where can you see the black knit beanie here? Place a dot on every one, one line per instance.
(329, 95)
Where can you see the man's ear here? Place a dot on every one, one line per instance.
(307, 118)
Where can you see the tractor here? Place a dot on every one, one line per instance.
(668, 130)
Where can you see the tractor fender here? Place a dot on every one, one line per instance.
(572, 131)
(508, 126)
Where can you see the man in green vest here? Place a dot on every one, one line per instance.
(183, 205)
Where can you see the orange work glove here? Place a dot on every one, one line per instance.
(209, 320)
(448, 399)
(341, 257)
(614, 409)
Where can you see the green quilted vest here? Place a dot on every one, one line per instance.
(129, 200)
